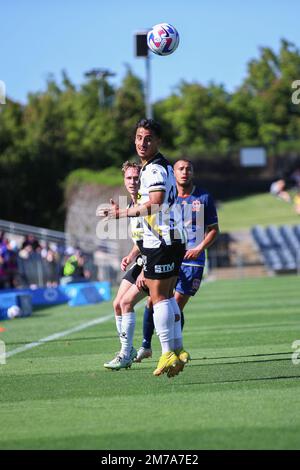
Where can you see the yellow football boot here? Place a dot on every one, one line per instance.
(167, 361)
(184, 357)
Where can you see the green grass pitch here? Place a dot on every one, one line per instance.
(241, 390)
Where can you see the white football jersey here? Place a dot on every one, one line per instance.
(166, 225)
(136, 227)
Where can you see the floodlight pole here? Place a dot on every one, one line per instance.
(148, 89)
(142, 50)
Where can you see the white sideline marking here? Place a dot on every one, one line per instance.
(58, 335)
(61, 334)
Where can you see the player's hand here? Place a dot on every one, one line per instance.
(192, 254)
(125, 262)
(114, 210)
(141, 281)
(102, 211)
(110, 212)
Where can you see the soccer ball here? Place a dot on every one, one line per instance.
(13, 312)
(163, 39)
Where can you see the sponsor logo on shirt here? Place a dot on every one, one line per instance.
(196, 205)
(164, 268)
(196, 284)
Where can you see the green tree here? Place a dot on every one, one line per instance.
(129, 107)
(268, 85)
(197, 119)
(68, 127)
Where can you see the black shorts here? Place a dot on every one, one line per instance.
(163, 262)
(134, 272)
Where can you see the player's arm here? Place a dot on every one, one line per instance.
(156, 186)
(156, 198)
(130, 257)
(210, 236)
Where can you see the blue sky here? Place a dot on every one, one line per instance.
(218, 38)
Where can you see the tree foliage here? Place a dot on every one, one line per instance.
(66, 128)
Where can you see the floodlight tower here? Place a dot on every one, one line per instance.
(142, 50)
(100, 74)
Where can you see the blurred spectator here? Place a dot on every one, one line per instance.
(30, 240)
(277, 188)
(50, 260)
(2, 272)
(28, 267)
(73, 270)
(26, 251)
(295, 177)
(297, 203)
(8, 263)
(37, 263)
(12, 264)
(3, 260)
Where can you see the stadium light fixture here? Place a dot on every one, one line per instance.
(142, 50)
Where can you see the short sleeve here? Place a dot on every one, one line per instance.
(210, 211)
(156, 178)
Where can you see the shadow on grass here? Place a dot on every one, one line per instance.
(240, 362)
(247, 355)
(255, 379)
(65, 340)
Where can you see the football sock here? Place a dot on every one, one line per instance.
(148, 327)
(127, 333)
(177, 325)
(182, 320)
(118, 324)
(164, 324)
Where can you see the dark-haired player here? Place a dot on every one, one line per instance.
(163, 242)
(201, 222)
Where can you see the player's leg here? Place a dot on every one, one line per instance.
(183, 288)
(145, 350)
(127, 353)
(124, 286)
(164, 322)
(179, 350)
(127, 283)
(161, 267)
(182, 300)
(188, 283)
(162, 316)
(128, 301)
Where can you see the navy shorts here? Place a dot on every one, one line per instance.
(189, 279)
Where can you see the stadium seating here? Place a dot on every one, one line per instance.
(279, 247)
